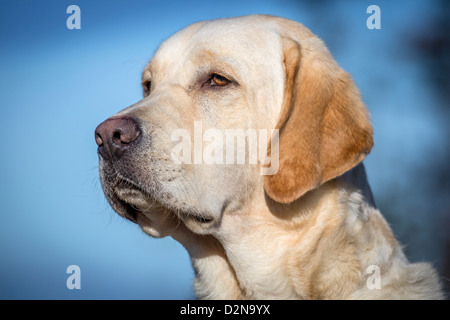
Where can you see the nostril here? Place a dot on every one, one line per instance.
(116, 136)
(125, 136)
(99, 140)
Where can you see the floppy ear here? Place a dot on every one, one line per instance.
(324, 127)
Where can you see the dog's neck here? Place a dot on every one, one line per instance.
(263, 212)
(311, 240)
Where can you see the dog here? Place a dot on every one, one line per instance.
(308, 228)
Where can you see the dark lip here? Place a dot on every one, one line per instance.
(121, 206)
(124, 209)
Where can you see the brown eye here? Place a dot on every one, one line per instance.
(147, 86)
(218, 80)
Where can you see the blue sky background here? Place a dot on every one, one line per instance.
(57, 85)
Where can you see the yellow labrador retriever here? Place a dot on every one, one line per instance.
(307, 227)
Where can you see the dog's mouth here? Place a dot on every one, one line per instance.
(126, 210)
(130, 200)
(125, 200)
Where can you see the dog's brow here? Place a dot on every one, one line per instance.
(146, 74)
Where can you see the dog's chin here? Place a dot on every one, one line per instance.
(148, 226)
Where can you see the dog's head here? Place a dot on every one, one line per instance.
(214, 86)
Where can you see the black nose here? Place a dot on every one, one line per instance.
(114, 135)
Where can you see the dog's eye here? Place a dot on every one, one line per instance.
(147, 86)
(216, 80)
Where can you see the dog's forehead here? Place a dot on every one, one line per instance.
(242, 38)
